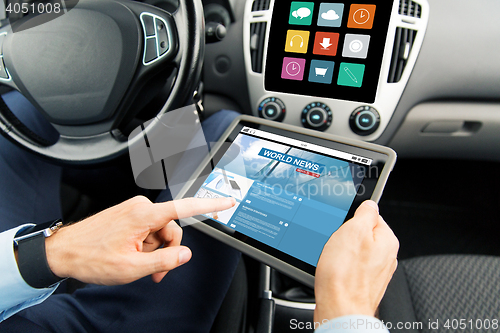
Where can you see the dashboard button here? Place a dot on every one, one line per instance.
(365, 120)
(163, 43)
(149, 25)
(272, 108)
(150, 52)
(317, 116)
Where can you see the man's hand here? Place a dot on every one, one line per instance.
(122, 244)
(355, 266)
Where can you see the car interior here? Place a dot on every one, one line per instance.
(431, 93)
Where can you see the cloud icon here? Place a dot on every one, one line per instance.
(330, 15)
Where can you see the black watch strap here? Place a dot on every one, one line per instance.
(32, 262)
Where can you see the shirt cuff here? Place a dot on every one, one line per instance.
(353, 324)
(15, 293)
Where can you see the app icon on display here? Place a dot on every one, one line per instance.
(351, 75)
(301, 13)
(321, 71)
(361, 16)
(326, 43)
(293, 69)
(330, 14)
(356, 46)
(297, 41)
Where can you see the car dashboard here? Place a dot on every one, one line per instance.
(343, 117)
(436, 95)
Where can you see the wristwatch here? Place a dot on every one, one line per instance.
(31, 256)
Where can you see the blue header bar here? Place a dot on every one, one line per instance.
(292, 160)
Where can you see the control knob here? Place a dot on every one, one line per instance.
(272, 108)
(365, 120)
(317, 116)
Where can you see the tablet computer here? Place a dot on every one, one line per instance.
(293, 187)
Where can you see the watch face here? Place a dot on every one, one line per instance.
(47, 229)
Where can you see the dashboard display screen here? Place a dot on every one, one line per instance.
(327, 49)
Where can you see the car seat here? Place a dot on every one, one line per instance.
(444, 289)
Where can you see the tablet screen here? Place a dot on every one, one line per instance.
(325, 49)
(291, 194)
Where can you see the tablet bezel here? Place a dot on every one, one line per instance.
(283, 262)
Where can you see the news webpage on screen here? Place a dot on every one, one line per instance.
(290, 195)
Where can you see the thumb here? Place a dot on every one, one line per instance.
(163, 259)
(367, 214)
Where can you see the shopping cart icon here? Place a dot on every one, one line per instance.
(321, 71)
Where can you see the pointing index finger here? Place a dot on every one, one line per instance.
(179, 209)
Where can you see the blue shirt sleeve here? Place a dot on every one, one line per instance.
(353, 324)
(15, 293)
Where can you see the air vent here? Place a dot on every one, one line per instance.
(260, 5)
(257, 39)
(403, 44)
(410, 8)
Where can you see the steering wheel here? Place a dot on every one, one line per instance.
(86, 68)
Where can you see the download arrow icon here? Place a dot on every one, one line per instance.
(326, 43)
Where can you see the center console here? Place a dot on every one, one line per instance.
(335, 67)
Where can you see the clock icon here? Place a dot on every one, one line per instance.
(293, 68)
(361, 16)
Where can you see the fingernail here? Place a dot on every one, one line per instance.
(372, 204)
(231, 200)
(184, 256)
